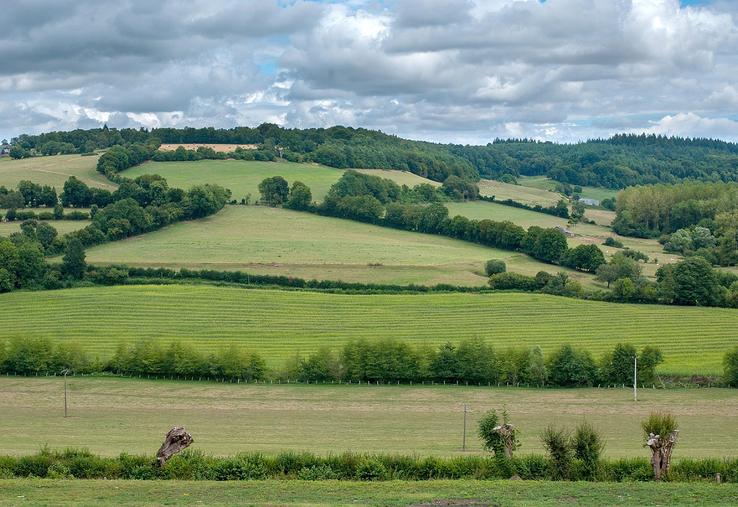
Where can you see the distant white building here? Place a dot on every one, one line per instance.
(590, 202)
(4, 150)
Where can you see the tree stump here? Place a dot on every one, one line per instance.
(177, 440)
(661, 449)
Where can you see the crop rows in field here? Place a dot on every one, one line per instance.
(278, 324)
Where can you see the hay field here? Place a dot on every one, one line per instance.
(279, 323)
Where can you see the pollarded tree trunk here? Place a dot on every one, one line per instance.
(507, 436)
(661, 449)
(177, 440)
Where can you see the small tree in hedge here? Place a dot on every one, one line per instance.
(588, 446)
(502, 439)
(731, 367)
(274, 191)
(557, 442)
(661, 435)
(73, 262)
(494, 266)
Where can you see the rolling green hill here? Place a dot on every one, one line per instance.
(53, 171)
(243, 177)
(278, 324)
(278, 241)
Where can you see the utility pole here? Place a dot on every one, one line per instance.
(65, 372)
(635, 378)
(463, 444)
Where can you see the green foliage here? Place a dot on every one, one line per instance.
(274, 191)
(584, 258)
(558, 443)
(689, 282)
(731, 367)
(73, 262)
(494, 266)
(571, 368)
(588, 445)
(610, 241)
(300, 198)
(659, 423)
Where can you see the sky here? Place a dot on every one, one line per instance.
(462, 71)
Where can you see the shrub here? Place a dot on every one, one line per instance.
(610, 241)
(588, 446)
(317, 473)
(730, 363)
(494, 266)
(371, 469)
(557, 442)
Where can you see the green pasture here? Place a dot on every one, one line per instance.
(525, 194)
(53, 171)
(278, 241)
(242, 177)
(278, 323)
(114, 415)
(361, 494)
(544, 183)
(62, 226)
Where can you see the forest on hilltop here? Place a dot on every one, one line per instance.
(618, 162)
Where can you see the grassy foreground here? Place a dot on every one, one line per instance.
(278, 324)
(279, 241)
(113, 415)
(396, 493)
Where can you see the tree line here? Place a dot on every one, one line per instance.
(376, 200)
(618, 162)
(472, 362)
(137, 206)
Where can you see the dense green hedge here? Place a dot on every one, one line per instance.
(194, 465)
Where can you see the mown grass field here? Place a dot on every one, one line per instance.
(114, 415)
(242, 177)
(61, 226)
(278, 241)
(544, 183)
(583, 233)
(396, 493)
(279, 324)
(389, 494)
(53, 171)
(520, 193)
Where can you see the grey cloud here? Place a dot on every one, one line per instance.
(457, 70)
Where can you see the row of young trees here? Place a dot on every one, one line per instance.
(384, 361)
(473, 362)
(40, 356)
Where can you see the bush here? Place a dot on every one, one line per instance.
(588, 446)
(371, 469)
(317, 473)
(610, 241)
(494, 266)
(557, 442)
(730, 364)
(77, 215)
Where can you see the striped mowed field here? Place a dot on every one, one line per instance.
(279, 323)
